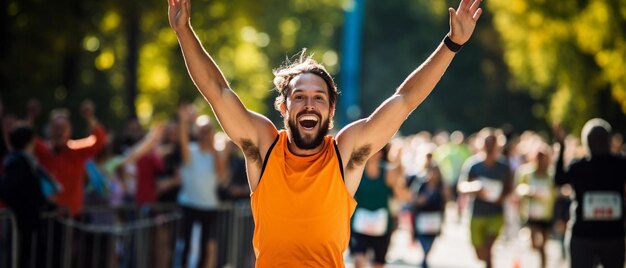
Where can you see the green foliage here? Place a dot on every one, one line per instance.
(246, 39)
(570, 55)
(78, 49)
(44, 55)
(75, 49)
(474, 92)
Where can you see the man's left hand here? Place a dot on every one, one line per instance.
(463, 20)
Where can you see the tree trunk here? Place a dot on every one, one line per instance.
(132, 57)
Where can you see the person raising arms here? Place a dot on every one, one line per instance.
(302, 180)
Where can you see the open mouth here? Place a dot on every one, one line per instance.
(308, 122)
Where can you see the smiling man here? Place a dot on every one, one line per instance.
(302, 180)
(310, 90)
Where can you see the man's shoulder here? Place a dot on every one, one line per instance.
(475, 159)
(472, 162)
(14, 158)
(502, 163)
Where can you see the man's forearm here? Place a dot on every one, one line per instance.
(560, 176)
(93, 122)
(202, 69)
(423, 79)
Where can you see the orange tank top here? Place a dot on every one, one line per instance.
(301, 208)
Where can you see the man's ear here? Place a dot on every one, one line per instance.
(331, 116)
(283, 109)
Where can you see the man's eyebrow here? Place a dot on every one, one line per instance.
(298, 90)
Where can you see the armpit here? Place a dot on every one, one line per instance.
(359, 156)
(251, 151)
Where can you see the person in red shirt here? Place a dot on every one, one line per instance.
(65, 158)
(157, 171)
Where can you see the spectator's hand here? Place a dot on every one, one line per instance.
(179, 14)
(33, 110)
(87, 110)
(559, 133)
(184, 114)
(481, 194)
(158, 130)
(155, 135)
(463, 20)
(163, 150)
(165, 184)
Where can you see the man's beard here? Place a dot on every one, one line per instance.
(308, 142)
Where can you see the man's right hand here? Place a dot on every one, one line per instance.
(179, 14)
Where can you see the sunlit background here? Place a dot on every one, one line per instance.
(529, 64)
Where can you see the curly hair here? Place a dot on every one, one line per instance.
(292, 68)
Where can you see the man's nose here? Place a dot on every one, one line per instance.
(308, 105)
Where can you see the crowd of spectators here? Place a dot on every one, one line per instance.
(505, 180)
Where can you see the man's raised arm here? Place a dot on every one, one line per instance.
(241, 125)
(376, 130)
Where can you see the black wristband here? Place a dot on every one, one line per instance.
(451, 45)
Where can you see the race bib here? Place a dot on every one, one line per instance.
(372, 223)
(602, 206)
(428, 222)
(541, 189)
(537, 210)
(492, 189)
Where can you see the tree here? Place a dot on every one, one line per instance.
(123, 54)
(569, 55)
(472, 94)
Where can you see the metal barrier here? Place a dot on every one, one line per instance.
(235, 238)
(124, 237)
(8, 239)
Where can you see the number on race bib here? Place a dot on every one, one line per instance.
(373, 223)
(602, 206)
(537, 210)
(428, 222)
(492, 188)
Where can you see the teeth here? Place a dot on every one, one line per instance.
(308, 117)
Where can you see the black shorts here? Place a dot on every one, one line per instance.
(539, 224)
(360, 243)
(585, 252)
(206, 218)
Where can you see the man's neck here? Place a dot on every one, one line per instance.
(294, 149)
(542, 170)
(58, 147)
(490, 159)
